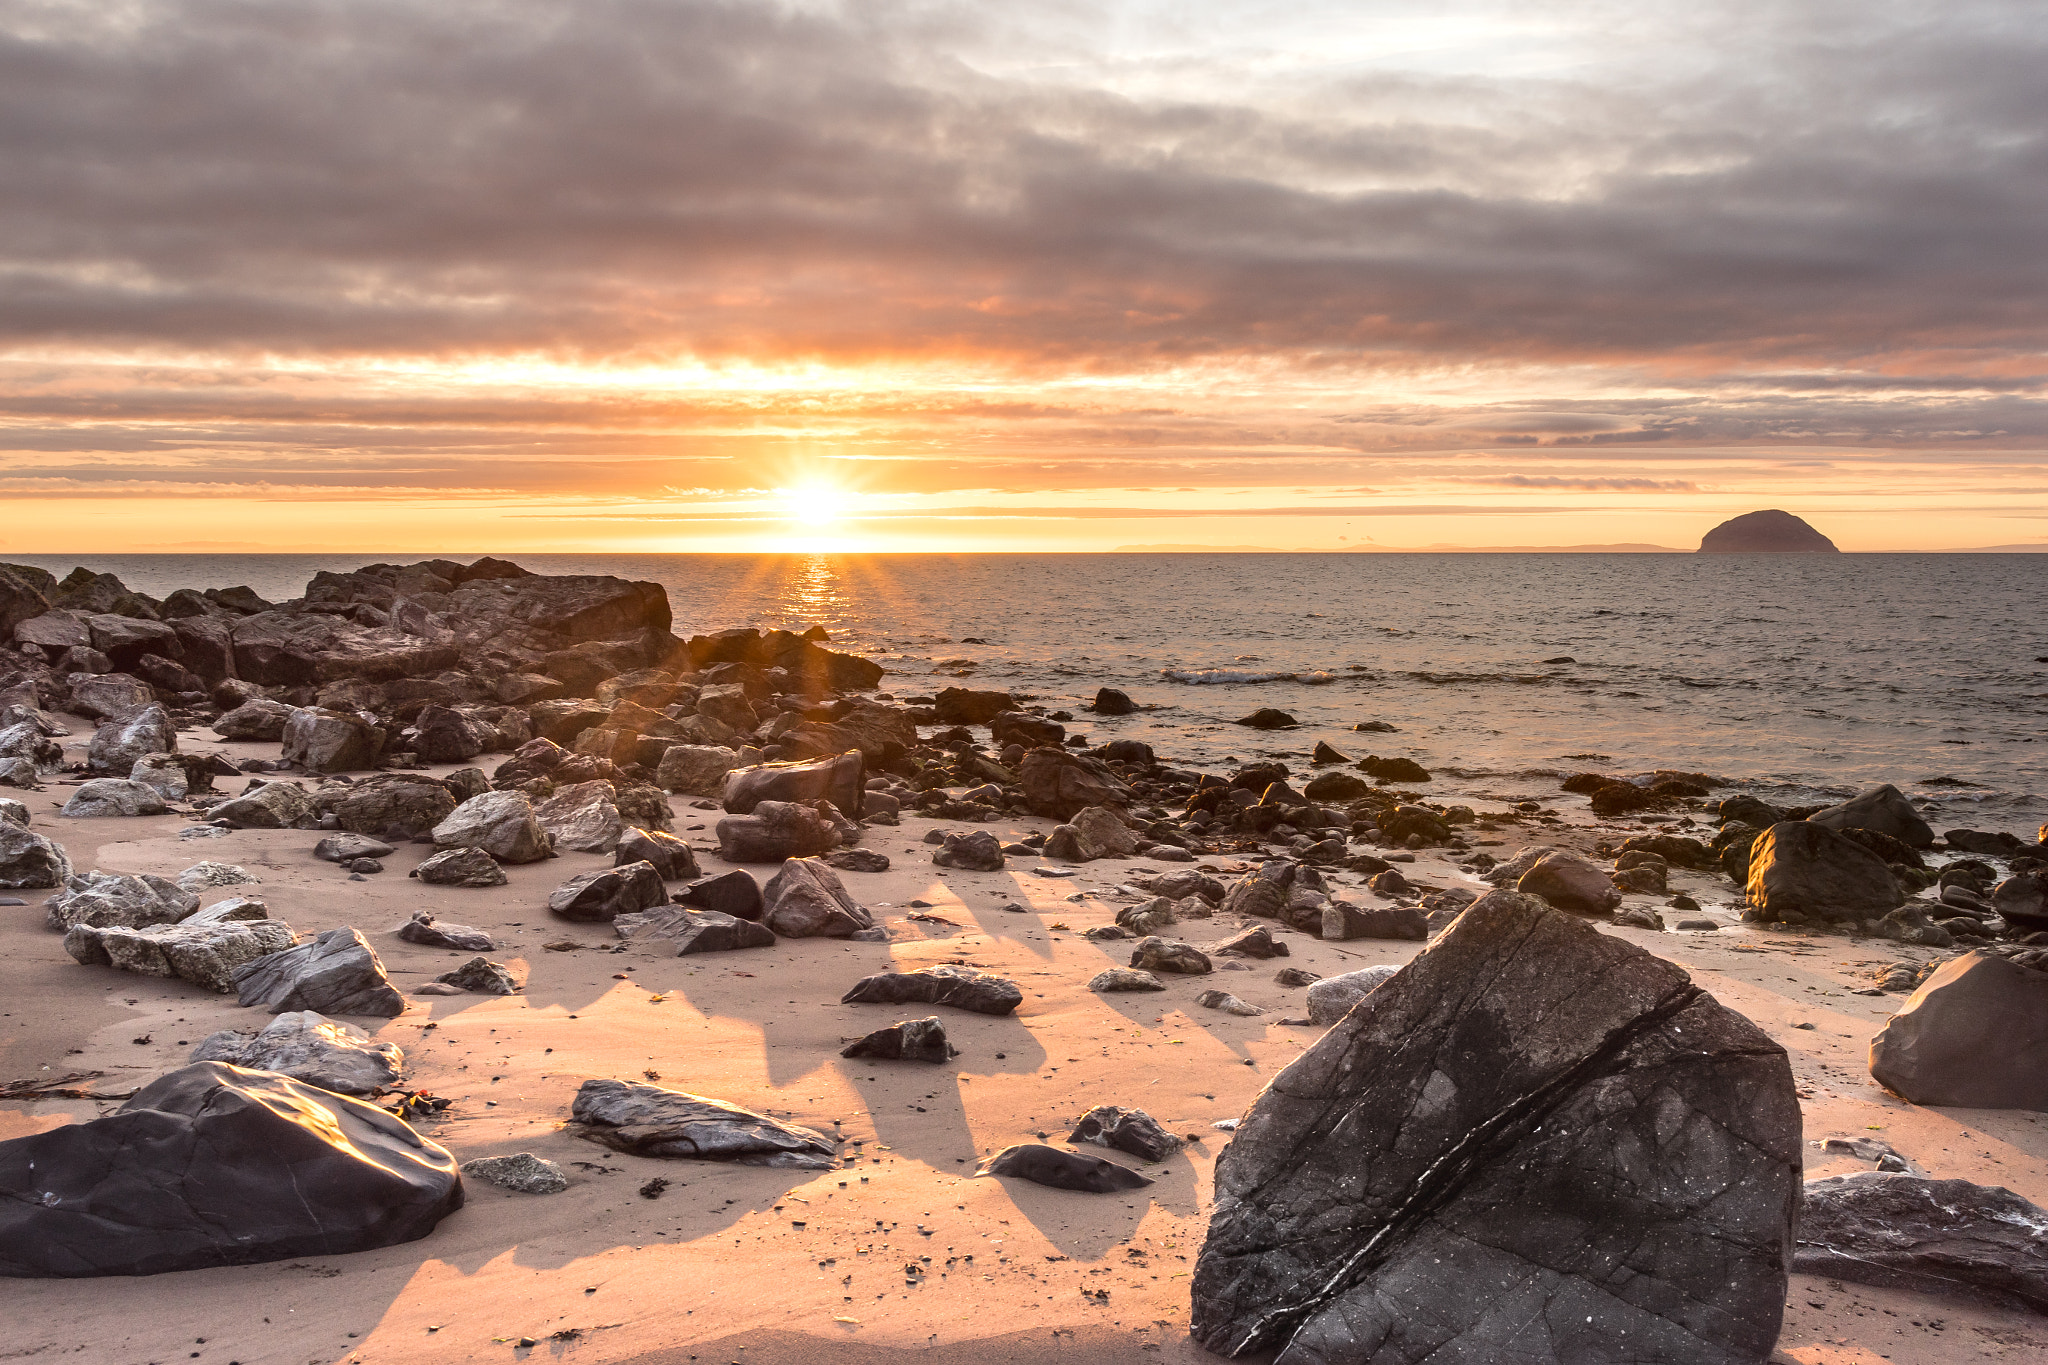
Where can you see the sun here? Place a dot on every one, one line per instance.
(814, 504)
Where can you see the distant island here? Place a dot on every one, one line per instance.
(1770, 532)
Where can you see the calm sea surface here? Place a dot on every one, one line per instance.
(1799, 675)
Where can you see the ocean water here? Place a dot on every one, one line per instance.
(1800, 677)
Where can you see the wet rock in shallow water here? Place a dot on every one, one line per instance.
(859, 860)
(670, 856)
(1257, 941)
(346, 848)
(461, 867)
(602, 895)
(1228, 1003)
(1165, 955)
(960, 987)
(520, 1172)
(646, 1120)
(336, 973)
(1125, 1130)
(694, 931)
(1124, 979)
(776, 830)
(807, 900)
(1343, 921)
(112, 796)
(1931, 1236)
(734, 893)
(1808, 871)
(1042, 1165)
(208, 955)
(1332, 998)
(979, 851)
(841, 779)
(312, 1048)
(1109, 701)
(1884, 809)
(584, 817)
(1533, 1106)
(912, 1040)
(211, 1165)
(1570, 881)
(106, 899)
(1973, 1035)
(1268, 718)
(481, 976)
(429, 932)
(502, 824)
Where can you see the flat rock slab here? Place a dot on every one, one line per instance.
(335, 973)
(1043, 1165)
(1536, 1142)
(429, 932)
(346, 848)
(1127, 1130)
(734, 893)
(646, 1120)
(960, 987)
(312, 1048)
(912, 1040)
(1936, 1236)
(1973, 1034)
(211, 955)
(212, 1165)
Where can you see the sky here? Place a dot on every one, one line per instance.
(651, 275)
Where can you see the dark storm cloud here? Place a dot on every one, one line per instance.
(1821, 187)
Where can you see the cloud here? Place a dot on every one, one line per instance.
(1587, 484)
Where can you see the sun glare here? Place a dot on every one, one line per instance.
(814, 504)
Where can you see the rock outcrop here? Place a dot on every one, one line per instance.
(1770, 532)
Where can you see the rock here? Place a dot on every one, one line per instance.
(1226, 1002)
(1929, 1236)
(1771, 532)
(429, 932)
(258, 719)
(1570, 881)
(1267, 718)
(1111, 702)
(2023, 900)
(109, 696)
(311, 1048)
(396, 806)
(112, 796)
(107, 899)
(206, 875)
(1180, 885)
(28, 860)
(668, 855)
(1336, 787)
(694, 931)
(461, 867)
(1257, 941)
(346, 848)
(1971, 1035)
(442, 734)
(967, 706)
(211, 1166)
(841, 779)
(1125, 1130)
(695, 769)
(1530, 1105)
(732, 893)
(1884, 809)
(163, 774)
(335, 973)
(520, 1172)
(481, 976)
(207, 955)
(584, 817)
(1042, 1165)
(646, 1120)
(806, 899)
(1343, 920)
(1295, 976)
(274, 805)
(1803, 870)
(1393, 769)
(20, 773)
(1157, 954)
(1264, 893)
(1639, 917)
(960, 987)
(979, 851)
(1331, 998)
(326, 741)
(1060, 784)
(607, 893)
(776, 830)
(502, 824)
(53, 631)
(1124, 979)
(1910, 924)
(912, 1040)
(119, 743)
(233, 910)
(860, 860)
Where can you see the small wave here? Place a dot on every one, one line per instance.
(1214, 677)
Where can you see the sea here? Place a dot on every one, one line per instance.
(1798, 677)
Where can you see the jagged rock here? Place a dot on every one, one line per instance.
(945, 984)
(609, 892)
(646, 1120)
(1570, 881)
(1124, 979)
(274, 805)
(1156, 954)
(1126, 1130)
(1639, 917)
(210, 1165)
(108, 696)
(696, 769)
(584, 817)
(112, 796)
(520, 1172)
(20, 773)
(202, 876)
(1295, 976)
(1533, 1106)
(1227, 1003)
(840, 779)
(53, 631)
(444, 734)
(1061, 784)
(321, 740)
(502, 824)
(668, 855)
(858, 860)
(481, 976)
(694, 931)
(1268, 718)
(464, 783)
(1257, 941)
(346, 848)
(207, 955)
(1042, 1165)
(642, 805)
(911, 1040)
(429, 932)
(119, 743)
(1884, 809)
(1343, 920)
(776, 830)
(1336, 787)
(1970, 1035)
(230, 911)
(978, 851)
(1182, 884)
(1092, 833)
(311, 1048)
(397, 806)
(1800, 870)
(256, 719)
(732, 893)
(461, 867)
(807, 900)
(106, 899)
(164, 774)
(1331, 998)
(1930, 1236)
(336, 973)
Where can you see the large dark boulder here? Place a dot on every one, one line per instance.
(395, 806)
(961, 987)
(2023, 899)
(840, 779)
(1973, 1034)
(1801, 871)
(1884, 809)
(24, 595)
(646, 1120)
(1768, 532)
(1127, 1130)
(670, 856)
(1536, 1142)
(1933, 1236)
(212, 1165)
(734, 893)
(1060, 784)
(971, 706)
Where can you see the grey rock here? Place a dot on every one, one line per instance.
(502, 824)
(112, 796)
(1570, 881)
(2023, 900)
(396, 807)
(1929, 1236)
(695, 769)
(1257, 941)
(207, 955)
(646, 1120)
(230, 911)
(336, 973)
(520, 1172)
(1331, 998)
(857, 860)
(108, 696)
(481, 976)
(961, 987)
(28, 860)
(323, 740)
(311, 1048)
(275, 805)
(1228, 1003)
(911, 1040)
(1295, 976)
(1156, 954)
(978, 851)
(734, 893)
(1343, 921)
(1972, 1035)
(584, 817)
(1126, 1130)
(1124, 979)
(207, 875)
(694, 931)
(1884, 809)
(807, 900)
(841, 779)
(1638, 917)
(429, 932)
(106, 899)
(1042, 1165)
(461, 867)
(346, 848)
(774, 831)
(258, 719)
(117, 744)
(670, 856)
(1182, 884)
(609, 892)
(164, 774)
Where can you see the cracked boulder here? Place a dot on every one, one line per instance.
(646, 1120)
(806, 899)
(1931, 1236)
(1537, 1143)
(212, 1165)
(312, 1048)
(912, 1040)
(961, 987)
(336, 973)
